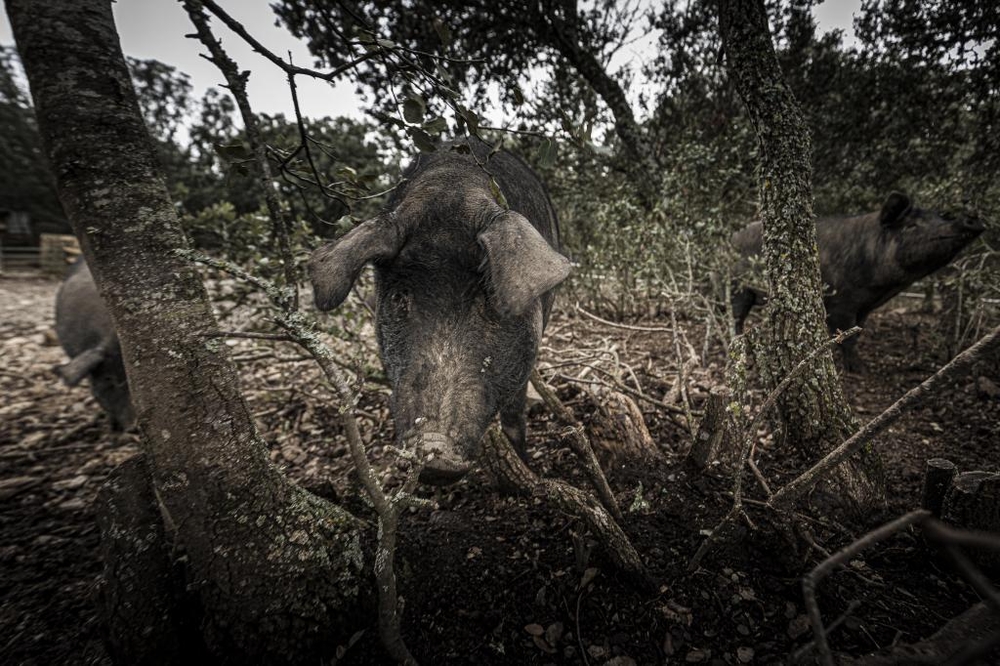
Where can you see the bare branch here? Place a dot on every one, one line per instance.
(580, 445)
(236, 81)
(787, 495)
(627, 327)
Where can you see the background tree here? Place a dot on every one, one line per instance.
(814, 410)
(488, 43)
(26, 183)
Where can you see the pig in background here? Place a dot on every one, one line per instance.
(86, 333)
(865, 261)
(464, 290)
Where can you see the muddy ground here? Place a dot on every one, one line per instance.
(493, 580)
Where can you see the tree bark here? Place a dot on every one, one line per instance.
(814, 409)
(276, 571)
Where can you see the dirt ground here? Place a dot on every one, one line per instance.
(494, 580)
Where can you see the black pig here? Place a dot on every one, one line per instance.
(88, 336)
(463, 291)
(866, 260)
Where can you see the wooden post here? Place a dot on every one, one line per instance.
(973, 503)
(938, 476)
(713, 430)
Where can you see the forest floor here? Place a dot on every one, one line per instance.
(494, 580)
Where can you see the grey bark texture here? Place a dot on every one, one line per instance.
(938, 475)
(972, 502)
(814, 410)
(274, 571)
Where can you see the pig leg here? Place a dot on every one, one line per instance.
(743, 300)
(513, 422)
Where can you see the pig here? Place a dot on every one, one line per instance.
(464, 287)
(88, 336)
(866, 260)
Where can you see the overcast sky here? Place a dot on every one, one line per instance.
(155, 29)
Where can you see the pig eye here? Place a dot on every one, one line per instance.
(400, 301)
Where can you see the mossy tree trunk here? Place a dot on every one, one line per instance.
(814, 410)
(275, 572)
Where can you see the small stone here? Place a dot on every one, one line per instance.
(798, 626)
(744, 654)
(987, 388)
(620, 660)
(595, 651)
(17, 484)
(71, 484)
(534, 629)
(73, 505)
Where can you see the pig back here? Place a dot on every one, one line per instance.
(82, 320)
(520, 185)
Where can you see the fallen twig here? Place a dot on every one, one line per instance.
(627, 327)
(935, 530)
(722, 531)
(786, 496)
(511, 472)
(580, 445)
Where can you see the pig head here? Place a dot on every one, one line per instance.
(463, 293)
(87, 334)
(866, 260)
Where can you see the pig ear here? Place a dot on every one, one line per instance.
(334, 267)
(522, 265)
(895, 209)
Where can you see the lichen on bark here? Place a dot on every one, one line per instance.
(275, 573)
(814, 409)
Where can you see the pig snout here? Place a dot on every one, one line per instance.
(971, 226)
(445, 462)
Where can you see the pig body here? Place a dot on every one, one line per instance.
(87, 334)
(464, 289)
(866, 260)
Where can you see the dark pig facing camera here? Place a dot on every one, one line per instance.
(464, 290)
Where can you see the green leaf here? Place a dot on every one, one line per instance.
(413, 109)
(348, 174)
(470, 117)
(518, 96)
(386, 43)
(498, 194)
(436, 125)
(422, 140)
(443, 32)
(547, 153)
(567, 124)
(233, 152)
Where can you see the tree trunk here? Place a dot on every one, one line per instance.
(814, 410)
(565, 38)
(275, 571)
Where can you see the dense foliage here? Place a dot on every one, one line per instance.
(650, 180)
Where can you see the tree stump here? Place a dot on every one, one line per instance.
(938, 476)
(619, 431)
(973, 503)
(713, 433)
